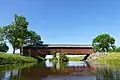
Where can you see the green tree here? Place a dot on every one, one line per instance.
(16, 32)
(10, 35)
(116, 49)
(21, 25)
(32, 38)
(2, 38)
(3, 47)
(103, 42)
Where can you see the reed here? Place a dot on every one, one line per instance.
(112, 59)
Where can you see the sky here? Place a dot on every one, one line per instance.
(65, 21)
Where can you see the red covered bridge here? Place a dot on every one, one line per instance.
(47, 49)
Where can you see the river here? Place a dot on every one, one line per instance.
(73, 70)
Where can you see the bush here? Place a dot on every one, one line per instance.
(6, 58)
(3, 47)
(63, 57)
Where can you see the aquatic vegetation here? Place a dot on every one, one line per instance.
(6, 58)
(112, 59)
(59, 57)
(63, 57)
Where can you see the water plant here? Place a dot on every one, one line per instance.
(59, 57)
(112, 59)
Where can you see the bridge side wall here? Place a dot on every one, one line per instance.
(47, 51)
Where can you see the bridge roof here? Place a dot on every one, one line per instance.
(62, 45)
(67, 45)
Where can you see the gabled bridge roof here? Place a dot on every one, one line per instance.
(67, 45)
(63, 45)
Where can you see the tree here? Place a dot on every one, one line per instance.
(10, 35)
(3, 47)
(2, 38)
(103, 42)
(21, 26)
(32, 38)
(16, 32)
(116, 49)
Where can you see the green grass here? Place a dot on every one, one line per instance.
(76, 58)
(72, 58)
(7, 58)
(112, 59)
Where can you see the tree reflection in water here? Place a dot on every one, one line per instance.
(12, 72)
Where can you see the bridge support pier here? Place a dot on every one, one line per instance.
(85, 58)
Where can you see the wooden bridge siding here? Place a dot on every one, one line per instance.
(36, 51)
(73, 51)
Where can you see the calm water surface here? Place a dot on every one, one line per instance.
(73, 70)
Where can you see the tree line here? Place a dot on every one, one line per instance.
(18, 35)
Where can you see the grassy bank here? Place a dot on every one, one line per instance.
(112, 59)
(76, 58)
(7, 58)
(72, 58)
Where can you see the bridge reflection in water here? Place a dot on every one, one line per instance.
(50, 71)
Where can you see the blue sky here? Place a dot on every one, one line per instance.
(66, 21)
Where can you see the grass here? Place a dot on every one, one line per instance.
(72, 58)
(76, 58)
(112, 59)
(7, 58)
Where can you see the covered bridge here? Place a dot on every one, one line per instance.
(47, 49)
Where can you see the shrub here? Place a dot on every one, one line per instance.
(6, 58)
(63, 57)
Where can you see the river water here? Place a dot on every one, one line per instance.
(73, 70)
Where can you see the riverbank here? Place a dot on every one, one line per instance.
(8, 58)
(75, 58)
(111, 59)
(15, 66)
